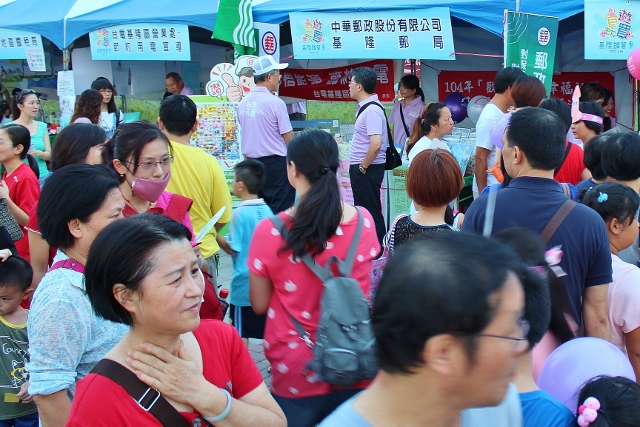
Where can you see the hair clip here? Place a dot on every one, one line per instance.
(588, 411)
(603, 197)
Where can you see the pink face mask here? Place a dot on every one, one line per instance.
(150, 189)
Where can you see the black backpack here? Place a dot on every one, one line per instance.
(344, 351)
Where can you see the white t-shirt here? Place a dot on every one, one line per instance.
(108, 122)
(489, 114)
(623, 300)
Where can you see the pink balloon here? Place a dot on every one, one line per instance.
(633, 64)
(577, 361)
(498, 128)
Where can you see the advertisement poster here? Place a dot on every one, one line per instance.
(229, 82)
(218, 132)
(36, 60)
(530, 44)
(392, 34)
(480, 83)
(141, 42)
(610, 28)
(332, 84)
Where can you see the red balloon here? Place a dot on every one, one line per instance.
(633, 64)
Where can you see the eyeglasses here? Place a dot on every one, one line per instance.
(519, 341)
(106, 91)
(147, 166)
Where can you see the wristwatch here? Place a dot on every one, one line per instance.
(363, 170)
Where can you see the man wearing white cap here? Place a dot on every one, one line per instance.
(266, 132)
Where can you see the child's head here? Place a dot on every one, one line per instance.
(617, 204)
(617, 400)
(537, 301)
(593, 157)
(620, 157)
(248, 178)
(15, 279)
(18, 137)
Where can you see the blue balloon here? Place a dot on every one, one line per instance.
(457, 103)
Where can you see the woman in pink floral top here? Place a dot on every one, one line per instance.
(323, 226)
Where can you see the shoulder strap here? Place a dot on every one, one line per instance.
(566, 154)
(364, 107)
(147, 397)
(69, 264)
(178, 207)
(406, 129)
(557, 220)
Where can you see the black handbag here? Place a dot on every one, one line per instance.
(392, 158)
(9, 222)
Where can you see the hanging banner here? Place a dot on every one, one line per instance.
(609, 28)
(480, 83)
(530, 44)
(332, 84)
(14, 44)
(141, 42)
(392, 34)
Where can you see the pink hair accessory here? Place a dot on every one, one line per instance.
(576, 114)
(591, 118)
(588, 411)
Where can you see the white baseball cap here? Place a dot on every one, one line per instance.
(266, 64)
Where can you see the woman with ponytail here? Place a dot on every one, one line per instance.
(19, 185)
(407, 109)
(429, 128)
(282, 286)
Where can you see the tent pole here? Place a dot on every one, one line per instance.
(65, 59)
(517, 5)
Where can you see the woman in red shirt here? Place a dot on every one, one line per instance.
(282, 286)
(19, 186)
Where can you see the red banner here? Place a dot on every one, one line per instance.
(332, 84)
(474, 83)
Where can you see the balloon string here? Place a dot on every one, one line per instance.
(476, 54)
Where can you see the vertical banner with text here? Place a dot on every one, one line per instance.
(530, 44)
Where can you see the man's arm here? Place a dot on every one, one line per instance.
(481, 168)
(287, 137)
(595, 312)
(375, 143)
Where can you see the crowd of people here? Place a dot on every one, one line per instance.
(101, 243)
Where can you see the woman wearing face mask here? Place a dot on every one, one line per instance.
(140, 154)
(25, 108)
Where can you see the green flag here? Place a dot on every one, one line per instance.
(234, 24)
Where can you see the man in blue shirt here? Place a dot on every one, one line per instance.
(534, 145)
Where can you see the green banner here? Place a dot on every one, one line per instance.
(530, 44)
(234, 24)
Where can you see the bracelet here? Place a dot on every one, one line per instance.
(226, 411)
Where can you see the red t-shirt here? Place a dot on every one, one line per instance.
(571, 170)
(227, 364)
(24, 191)
(297, 291)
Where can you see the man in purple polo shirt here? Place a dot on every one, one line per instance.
(368, 146)
(266, 132)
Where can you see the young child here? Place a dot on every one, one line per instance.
(609, 402)
(247, 183)
(618, 204)
(16, 406)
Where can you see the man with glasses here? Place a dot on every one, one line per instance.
(367, 155)
(266, 132)
(534, 145)
(448, 326)
(176, 86)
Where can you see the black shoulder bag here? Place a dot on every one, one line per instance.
(392, 159)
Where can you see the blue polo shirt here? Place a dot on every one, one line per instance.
(531, 203)
(540, 409)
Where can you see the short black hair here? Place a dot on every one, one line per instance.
(537, 299)
(593, 156)
(595, 109)
(175, 76)
(104, 83)
(366, 77)
(621, 202)
(620, 156)
(178, 114)
(16, 271)
(619, 399)
(437, 284)
(122, 254)
(540, 135)
(251, 173)
(506, 78)
(73, 191)
(561, 108)
(74, 142)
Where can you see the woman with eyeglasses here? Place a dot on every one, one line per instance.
(140, 154)
(25, 108)
(110, 116)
